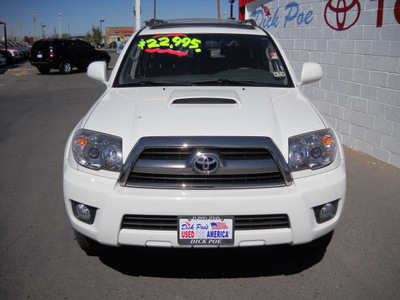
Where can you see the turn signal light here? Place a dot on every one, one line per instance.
(82, 141)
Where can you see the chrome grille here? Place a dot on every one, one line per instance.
(170, 223)
(226, 153)
(168, 162)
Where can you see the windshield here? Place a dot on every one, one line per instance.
(202, 59)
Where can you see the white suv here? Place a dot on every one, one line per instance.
(203, 139)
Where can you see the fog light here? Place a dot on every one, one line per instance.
(84, 213)
(326, 211)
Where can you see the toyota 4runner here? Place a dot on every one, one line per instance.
(203, 138)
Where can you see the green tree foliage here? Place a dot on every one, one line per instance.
(94, 37)
(27, 39)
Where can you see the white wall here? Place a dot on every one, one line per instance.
(360, 92)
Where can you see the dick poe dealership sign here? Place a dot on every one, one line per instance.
(338, 14)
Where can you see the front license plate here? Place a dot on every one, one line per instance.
(205, 230)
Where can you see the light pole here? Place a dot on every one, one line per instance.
(231, 2)
(34, 25)
(137, 14)
(101, 30)
(42, 30)
(5, 34)
(60, 25)
(20, 31)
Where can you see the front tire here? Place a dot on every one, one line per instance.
(66, 67)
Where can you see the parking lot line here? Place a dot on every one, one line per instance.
(21, 73)
(29, 69)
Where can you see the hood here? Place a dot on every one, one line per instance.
(132, 113)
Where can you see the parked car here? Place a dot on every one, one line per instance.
(16, 55)
(3, 60)
(23, 50)
(203, 138)
(64, 55)
(7, 54)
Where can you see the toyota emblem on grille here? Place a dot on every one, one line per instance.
(206, 163)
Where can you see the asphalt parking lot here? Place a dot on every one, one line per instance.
(40, 258)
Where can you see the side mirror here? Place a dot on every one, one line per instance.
(98, 70)
(311, 72)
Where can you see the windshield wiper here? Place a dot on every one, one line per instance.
(226, 81)
(152, 83)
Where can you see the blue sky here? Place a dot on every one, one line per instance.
(78, 16)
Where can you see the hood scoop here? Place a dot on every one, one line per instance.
(204, 100)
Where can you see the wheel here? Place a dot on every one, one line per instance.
(44, 70)
(66, 67)
(88, 245)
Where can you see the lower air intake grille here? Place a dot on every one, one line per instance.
(170, 223)
(141, 222)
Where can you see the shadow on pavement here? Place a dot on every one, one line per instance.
(211, 263)
(4, 69)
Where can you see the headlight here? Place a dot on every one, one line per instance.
(312, 150)
(97, 151)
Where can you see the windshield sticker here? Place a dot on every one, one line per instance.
(279, 74)
(176, 44)
(273, 55)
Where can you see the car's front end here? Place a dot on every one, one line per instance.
(3, 60)
(220, 154)
(15, 54)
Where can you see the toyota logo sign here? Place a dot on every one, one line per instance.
(206, 163)
(341, 14)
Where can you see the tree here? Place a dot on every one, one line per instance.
(94, 36)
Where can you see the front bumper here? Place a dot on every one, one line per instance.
(114, 201)
(46, 64)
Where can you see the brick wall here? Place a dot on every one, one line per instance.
(359, 50)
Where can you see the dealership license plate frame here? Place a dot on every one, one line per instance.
(190, 233)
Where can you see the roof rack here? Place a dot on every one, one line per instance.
(158, 23)
(71, 38)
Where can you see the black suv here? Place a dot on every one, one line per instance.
(64, 54)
